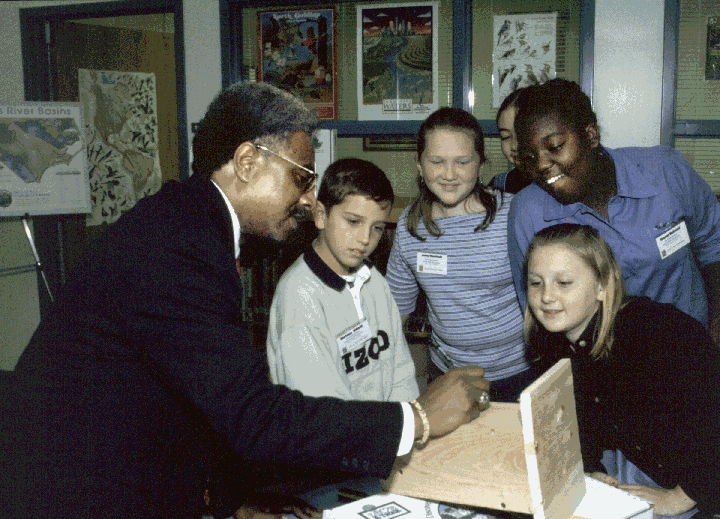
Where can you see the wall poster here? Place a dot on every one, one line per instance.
(297, 52)
(42, 159)
(712, 60)
(524, 51)
(397, 56)
(122, 140)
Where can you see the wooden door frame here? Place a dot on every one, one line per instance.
(34, 22)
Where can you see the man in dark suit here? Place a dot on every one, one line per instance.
(141, 372)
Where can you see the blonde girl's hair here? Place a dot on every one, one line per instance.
(587, 243)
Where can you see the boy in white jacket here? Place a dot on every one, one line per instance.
(335, 329)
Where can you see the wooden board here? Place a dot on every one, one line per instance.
(486, 463)
(481, 464)
(552, 444)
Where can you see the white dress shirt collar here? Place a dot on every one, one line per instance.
(234, 218)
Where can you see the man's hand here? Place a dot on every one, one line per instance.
(667, 502)
(453, 400)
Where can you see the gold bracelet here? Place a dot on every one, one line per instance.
(426, 424)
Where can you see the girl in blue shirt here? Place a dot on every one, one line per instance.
(658, 215)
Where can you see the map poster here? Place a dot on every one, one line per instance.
(397, 55)
(524, 51)
(297, 52)
(122, 140)
(42, 159)
(712, 59)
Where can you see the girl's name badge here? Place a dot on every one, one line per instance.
(354, 337)
(673, 239)
(432, 263)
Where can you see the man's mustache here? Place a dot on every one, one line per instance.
(301, 214)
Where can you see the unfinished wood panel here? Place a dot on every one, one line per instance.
(480, 464)
(516, 457)
(552, 443)
(603, 501)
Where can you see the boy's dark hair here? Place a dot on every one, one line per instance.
(354, 177)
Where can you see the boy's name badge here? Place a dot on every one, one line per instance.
(432, 263)
(354, 337)
(673, 239)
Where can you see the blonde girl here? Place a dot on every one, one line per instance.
(647, 376)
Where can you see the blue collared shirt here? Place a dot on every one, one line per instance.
(656, 190)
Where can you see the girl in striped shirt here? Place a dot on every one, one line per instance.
(451, 243)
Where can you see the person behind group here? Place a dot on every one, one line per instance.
(646, 375)
(140, 374)
(335, 329)
(514, 179)
(451, 243)
(658, 215)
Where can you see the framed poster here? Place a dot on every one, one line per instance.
(122, 140)
(297, 52)
(524, 51)
(712, 57)
(397, 56)
(43, 162)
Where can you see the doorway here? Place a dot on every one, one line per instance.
(122, 37)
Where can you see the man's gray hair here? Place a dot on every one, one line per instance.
(247, 112)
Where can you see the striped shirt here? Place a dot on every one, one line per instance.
(473, 308)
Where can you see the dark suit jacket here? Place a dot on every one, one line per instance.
(142, 365)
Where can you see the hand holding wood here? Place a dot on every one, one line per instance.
(453, 400)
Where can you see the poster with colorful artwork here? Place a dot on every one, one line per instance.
(712, 60)
(524, 52)
(43, 167)
(397, 55)
(122, 140)
(297, 52)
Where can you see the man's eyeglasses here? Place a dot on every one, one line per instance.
(304, 182)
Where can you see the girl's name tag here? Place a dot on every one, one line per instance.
(432, 263)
